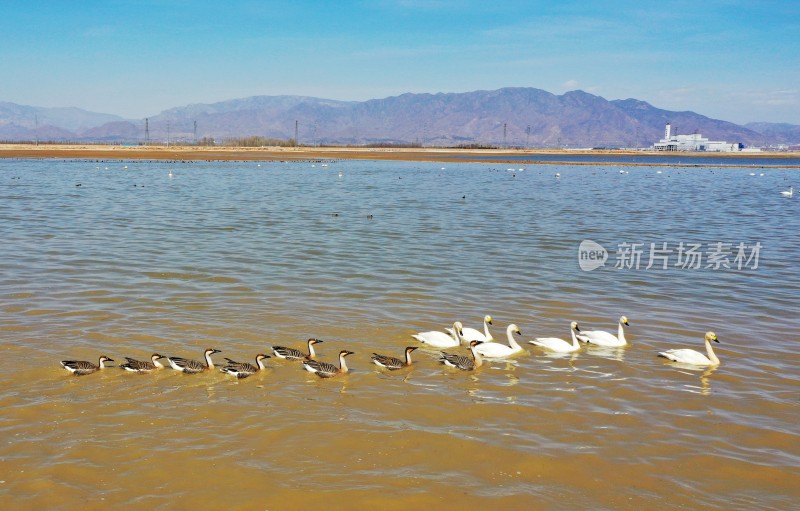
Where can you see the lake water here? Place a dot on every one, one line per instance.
(240, 256)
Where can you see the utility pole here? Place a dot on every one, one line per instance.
(195, 132)
(167, 133)
(146, 131)
(504, 135)
(296, 141)
(528, 136)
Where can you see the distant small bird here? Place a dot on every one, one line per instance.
(325, 369)
(788, 193)
(78, 184)
(393, 363)
(138, 366)
(243, 369)
(81, 367)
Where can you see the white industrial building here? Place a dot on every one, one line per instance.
(693, 142)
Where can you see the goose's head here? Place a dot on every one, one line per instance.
(105, 359)
(472, 344)
(261, 357)
(711, 336)
(156, 356)
(211, 351)
(344, 353)
(574, 326)
(623, 320)
(314, 341)
(409, 349)
(487, 319)
(513, 329)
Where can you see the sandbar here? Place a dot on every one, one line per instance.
(511, 156)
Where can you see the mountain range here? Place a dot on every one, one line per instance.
(526, 117)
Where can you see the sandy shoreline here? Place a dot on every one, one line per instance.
(516, 156)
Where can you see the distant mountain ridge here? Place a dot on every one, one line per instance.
(515, 116)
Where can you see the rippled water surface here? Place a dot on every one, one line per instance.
(118, 258)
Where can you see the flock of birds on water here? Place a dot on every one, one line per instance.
(481, 345)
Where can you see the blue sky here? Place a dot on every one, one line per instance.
(729, 59)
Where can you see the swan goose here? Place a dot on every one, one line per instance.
(393, 363)
(139, 366)
(244, 369)
(462, 362)
(193, 366)
(81, 367)
(325, 369)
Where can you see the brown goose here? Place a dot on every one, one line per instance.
(244, 369)
(138, 366)
(293, 354)
(193, 366)
(462, 362)
(325, 369)
(81, 367)
(393, 363)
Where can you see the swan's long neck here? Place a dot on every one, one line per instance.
(511, 341)
(486, 331)
(457, 335)
(711, 355)
(342, 364)
(621, 334)
(209, 363)
(476, 356)
(575, 344)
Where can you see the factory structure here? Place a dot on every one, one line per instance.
(694, 142)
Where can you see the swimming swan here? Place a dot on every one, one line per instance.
(471, 334)
(441, 339)
(497, 350)
(692, 357)
(788, 193)
(602, 338)
(560, 345)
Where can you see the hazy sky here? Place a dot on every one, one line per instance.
(729, 59)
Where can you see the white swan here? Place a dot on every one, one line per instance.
(441, 339)
(788, 193)
(560, 345)
(692, 357)
(602, 338)
(470, 334)
(497, 350)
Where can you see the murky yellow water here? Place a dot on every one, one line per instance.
(240, 257)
